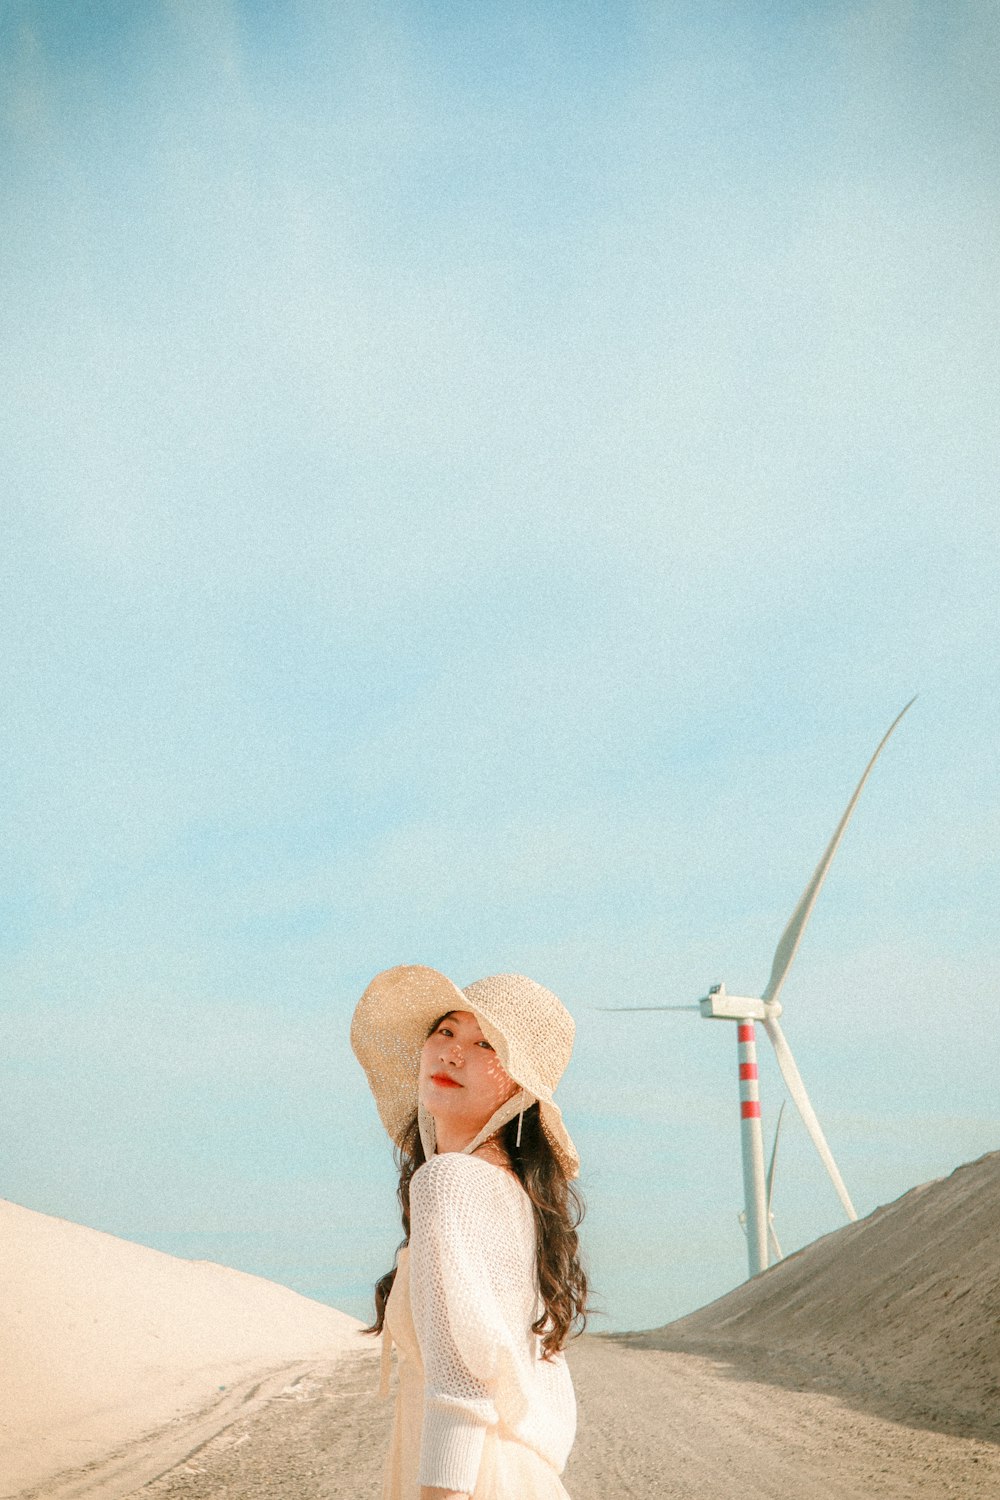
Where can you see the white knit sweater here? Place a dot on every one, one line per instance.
(474, 1295)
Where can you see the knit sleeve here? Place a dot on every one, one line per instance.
(456, 1240)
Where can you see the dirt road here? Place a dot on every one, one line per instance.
(654, 1425)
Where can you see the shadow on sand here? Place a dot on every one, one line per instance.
(853, 1383)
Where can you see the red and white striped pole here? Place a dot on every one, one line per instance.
(752, 1141)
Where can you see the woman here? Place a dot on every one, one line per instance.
(488, 1284)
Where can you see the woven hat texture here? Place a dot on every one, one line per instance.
(529, 1028)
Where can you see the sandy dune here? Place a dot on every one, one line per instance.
(902, 1308)
(102, 1341)
(867, 1365)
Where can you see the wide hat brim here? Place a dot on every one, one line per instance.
(528, 1027)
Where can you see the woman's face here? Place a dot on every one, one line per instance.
(461, 1080)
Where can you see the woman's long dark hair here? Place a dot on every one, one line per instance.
(558, 1209)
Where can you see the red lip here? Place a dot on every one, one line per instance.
(448, 1083)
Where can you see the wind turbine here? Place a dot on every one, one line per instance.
(717, 1005)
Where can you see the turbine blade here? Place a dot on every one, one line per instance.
(797, 1089)
(792, 935)
(772, 1238)
(624, 1008)
(774, 1153)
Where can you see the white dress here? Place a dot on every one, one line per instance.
(477, 1408)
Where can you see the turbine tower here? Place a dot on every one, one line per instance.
(745, 1010)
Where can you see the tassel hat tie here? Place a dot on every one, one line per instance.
(530, 1030)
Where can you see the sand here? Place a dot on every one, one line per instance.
(902, 1308)
(103, 1341)
(865, 1366)
(653, 1424)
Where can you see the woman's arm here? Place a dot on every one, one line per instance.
(434, 1492)
(453, 1232)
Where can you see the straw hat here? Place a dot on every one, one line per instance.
(530, 1030)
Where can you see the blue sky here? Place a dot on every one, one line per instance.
(478, 483)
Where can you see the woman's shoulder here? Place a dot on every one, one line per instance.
(455, 1176)
(458, 1199)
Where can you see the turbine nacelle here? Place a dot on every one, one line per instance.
(719, 1005)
